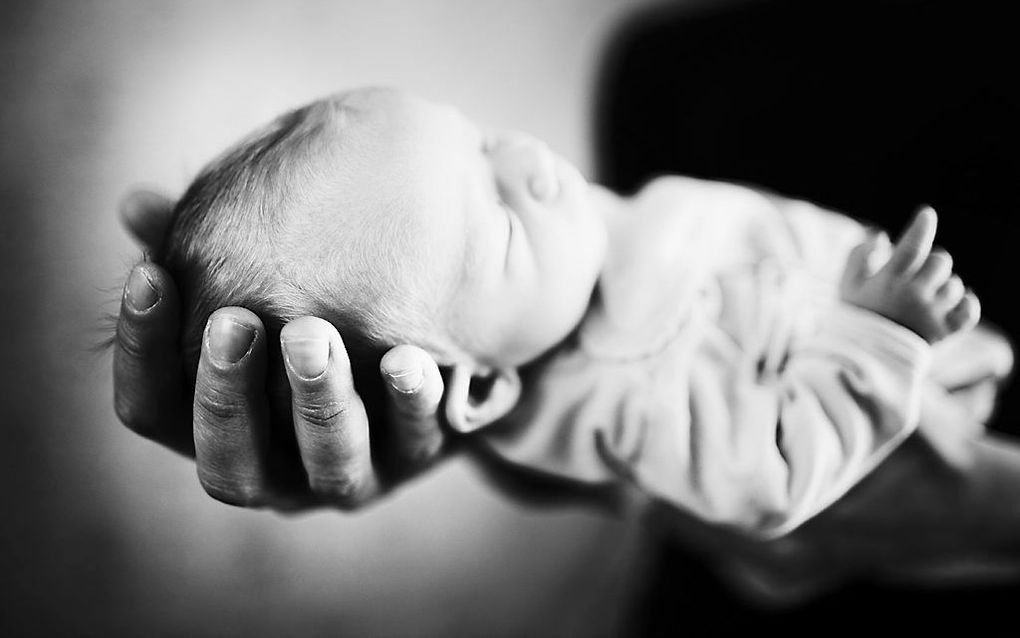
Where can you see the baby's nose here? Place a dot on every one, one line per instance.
(522, 162)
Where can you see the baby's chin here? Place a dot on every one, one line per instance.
(572, 181)
(549, 330)
(558, 319)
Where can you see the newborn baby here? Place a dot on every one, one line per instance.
(744, 357)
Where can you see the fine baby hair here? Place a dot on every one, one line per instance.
(399, 221)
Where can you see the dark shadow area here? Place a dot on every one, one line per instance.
(867, 107)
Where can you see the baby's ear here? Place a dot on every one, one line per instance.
(475, 399)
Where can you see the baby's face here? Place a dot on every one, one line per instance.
(492, 226)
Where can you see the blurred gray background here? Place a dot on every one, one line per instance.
(107, 534)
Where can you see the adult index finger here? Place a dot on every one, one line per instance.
(148, 386)
(231, 414)
(915, 243)
(330, 421)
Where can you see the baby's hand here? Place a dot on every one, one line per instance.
(915, 287)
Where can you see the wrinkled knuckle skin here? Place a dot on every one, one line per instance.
(424, 454)
(325, 415)
(411, 408)
(343, 492)
(129, 342)
(418, 405)
(216, 406)
(231, 492)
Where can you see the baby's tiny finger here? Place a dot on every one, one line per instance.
(966, 314)
(950, 293)
(881, 250)
(936, 269)
(915, 243)
(857, 260)
(861, 260)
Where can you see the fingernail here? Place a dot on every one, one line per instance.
(407, 381)
(139, 293)
(307, 357)
(229, 340)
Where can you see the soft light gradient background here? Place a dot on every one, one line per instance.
(107, 534)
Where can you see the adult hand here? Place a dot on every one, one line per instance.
(940, 510)
(226, 423)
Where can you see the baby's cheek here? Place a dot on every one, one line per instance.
(566, 302)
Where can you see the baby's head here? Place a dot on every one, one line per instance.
(399, 221)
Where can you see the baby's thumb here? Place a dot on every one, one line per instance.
(860, 263)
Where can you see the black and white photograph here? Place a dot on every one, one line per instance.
(327, 318)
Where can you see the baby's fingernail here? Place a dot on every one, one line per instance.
(229, 340)
(407, 381)
(307, 357)
(139, 293)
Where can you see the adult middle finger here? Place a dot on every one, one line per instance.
(330, 421)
